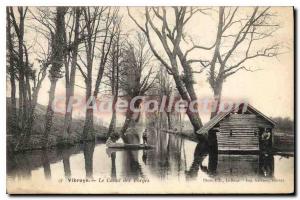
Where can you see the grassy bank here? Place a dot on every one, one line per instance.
(56, 136)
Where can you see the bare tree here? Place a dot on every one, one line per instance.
(170, 36)
(55, 71)
(238, 40)
(113, 72)
(99, 29)
(136, 78)
(20, 66)
(166, 87)
(19, 30)
(73, 40)
(37, 77)
(12, 71)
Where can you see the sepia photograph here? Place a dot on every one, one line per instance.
(150, 100)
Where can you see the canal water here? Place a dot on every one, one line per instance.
(172, 159)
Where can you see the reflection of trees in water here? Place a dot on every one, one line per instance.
(175, 150)
(202, 150)
(200, 154)
(67, 167)
(230, 165)
(168, 156)
(131, 165)
(18, 166)
(46, 164)
(113, 165)
(65, 154)
(88, 152)
(158, 158)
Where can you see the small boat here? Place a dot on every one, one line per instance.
(129, 146)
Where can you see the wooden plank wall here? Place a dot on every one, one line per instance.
(238, 165)
(243, 127)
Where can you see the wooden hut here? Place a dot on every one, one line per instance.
(240, 129)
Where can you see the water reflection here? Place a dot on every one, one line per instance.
(88, 152)
(65, 153)
(200, 154)
(131, 166)
(113, 166)
(225, 165)
(46, 164)
(266, 165)
(19, 166)
(172, 157)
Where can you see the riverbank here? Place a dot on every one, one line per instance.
(56, 136)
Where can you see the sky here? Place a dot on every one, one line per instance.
(270, 89)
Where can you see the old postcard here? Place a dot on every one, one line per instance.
(150, 100)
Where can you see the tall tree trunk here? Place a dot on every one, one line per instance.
(50, 112)
(169, 120)
(125, 126)
(31, 112)
(55, 71)
(217, 90)
(70, 88)
(193, 116)
(129, 119)
(22, 88)
(188, 83)
(115, 92)
(28, 90)
(215, 82)
(88, 129)
(13, 121)
(193, 97)
(20, 104)
(112, 125)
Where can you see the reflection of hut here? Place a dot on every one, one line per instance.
(238, 165)
(245, 165)
(240, 129)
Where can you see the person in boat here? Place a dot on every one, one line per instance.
(145, 136)
(109, 141)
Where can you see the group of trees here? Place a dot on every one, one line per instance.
(284, 124)
(74, 39)
(21, 71)
(238, 39)
(90, 41)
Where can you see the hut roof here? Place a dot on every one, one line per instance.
(221, 115)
